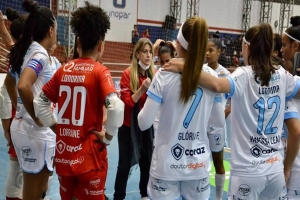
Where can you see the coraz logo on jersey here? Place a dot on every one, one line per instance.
(177, 151)
(256, 151)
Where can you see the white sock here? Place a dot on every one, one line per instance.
(50, 179)
(219, 180)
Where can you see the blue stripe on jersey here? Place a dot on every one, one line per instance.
(291, 115)
(232, 87)
(218, 100)
(36, 65)
(154, 96)
(297, 87)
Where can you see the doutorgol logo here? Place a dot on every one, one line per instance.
(95, 182)
(244, 190)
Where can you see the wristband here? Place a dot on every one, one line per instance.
(106, 141)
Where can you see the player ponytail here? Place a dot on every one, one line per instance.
(260, 39)
(195, 31)
(37, 26)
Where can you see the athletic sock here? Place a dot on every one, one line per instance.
(219, 180)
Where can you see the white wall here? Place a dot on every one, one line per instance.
(225, 15)
(2, 77)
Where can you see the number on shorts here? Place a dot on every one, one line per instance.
(198, 96)
(260, 105)
(78, 90)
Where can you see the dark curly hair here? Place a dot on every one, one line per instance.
(37, 25)
(90, 24)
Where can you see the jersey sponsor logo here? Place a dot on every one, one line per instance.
(191, 166)
(189, 136)
(95, 192)
(73, 78)
(61, 147)
(204, 180)
(237, 198)
(265, 141)
(43, 97)
(177, 151)
(202, 189)
(256, 151)
(26, 151)
(95, 182)
(157, 186)
(270, 161)
(268, 90)
(193, 152)
(78, 67)
(70, 162)
(244, 190)
(69, 133)
(217, 138)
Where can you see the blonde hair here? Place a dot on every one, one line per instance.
(134, 67)
(195, 31)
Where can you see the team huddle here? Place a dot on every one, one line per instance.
(170, 121)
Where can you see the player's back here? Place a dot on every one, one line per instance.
(181, 143)
(81, 95)
(257, 119)
(80, 88)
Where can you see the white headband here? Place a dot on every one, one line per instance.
(246, 41)
(291, 37)
(181, 39)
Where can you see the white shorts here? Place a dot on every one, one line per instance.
(216, 137)
(173, 190)
(33, 154)
(267, 187)
(293, 194)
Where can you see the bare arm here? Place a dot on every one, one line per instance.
(220, 85)
(27, 79)
(4, 34)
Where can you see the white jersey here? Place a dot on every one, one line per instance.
(218, 133)
(257, 120)
(36, 58)
(181, 145)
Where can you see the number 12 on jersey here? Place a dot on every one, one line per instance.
(261, 106)
(78, 90)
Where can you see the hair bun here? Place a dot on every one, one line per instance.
(30, 6)
(295, 20)
(12, 14)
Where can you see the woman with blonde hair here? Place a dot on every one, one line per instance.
(135, 146)
(181, 159)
